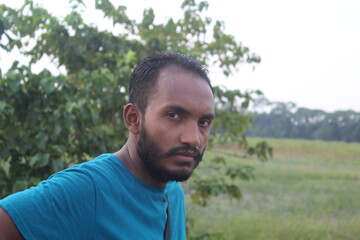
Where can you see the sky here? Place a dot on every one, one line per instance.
(310, 49)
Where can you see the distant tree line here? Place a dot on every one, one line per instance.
(286, 120)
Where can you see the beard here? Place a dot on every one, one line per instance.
(150, 154)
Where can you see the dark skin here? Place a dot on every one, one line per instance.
(179, 113)
(8, 230)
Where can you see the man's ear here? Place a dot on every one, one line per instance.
(132, 118)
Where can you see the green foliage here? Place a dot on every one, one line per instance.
(43, 118)
(49, 122)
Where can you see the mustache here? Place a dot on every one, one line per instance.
(176, 150)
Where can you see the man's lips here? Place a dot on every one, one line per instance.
(186, 157)
(187, 154)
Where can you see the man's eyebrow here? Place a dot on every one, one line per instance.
(178, 108)
(182, 110)
(209, 116)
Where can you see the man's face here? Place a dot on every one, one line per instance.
(176, 125)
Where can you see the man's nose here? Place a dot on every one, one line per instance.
(191, 135)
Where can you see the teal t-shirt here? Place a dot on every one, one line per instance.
(99, 199)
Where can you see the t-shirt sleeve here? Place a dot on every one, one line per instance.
(62, 207)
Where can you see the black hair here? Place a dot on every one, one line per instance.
(145, 74)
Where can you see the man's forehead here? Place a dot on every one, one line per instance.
(179, 87)
(179, 77)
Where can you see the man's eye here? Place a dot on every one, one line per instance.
(173, 115)
(205, 123)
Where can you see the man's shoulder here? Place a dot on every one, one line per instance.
(83, 176)
(101, 160)
(99, 165)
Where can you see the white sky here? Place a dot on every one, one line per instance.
(310, 49)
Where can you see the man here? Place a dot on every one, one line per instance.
(133, 193)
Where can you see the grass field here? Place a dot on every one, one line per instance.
(310, 190)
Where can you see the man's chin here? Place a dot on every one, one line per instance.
(183, 172)
(181, 178)
(178, 176)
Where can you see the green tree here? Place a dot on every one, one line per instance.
(48, 122)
